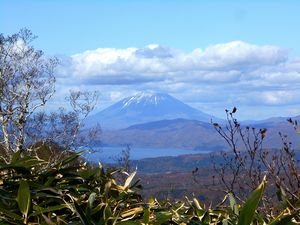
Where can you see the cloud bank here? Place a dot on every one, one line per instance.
(234, 73)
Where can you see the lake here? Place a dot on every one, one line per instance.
(110, 154)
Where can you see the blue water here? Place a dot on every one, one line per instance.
(111, 154)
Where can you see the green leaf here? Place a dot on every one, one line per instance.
(233, 204)
(23, 198)
(162, 217)
(27, 162)
(146, 216)
(81, 214)
(247, 212)
(69, 159)
(128, 223)
(91, 199)
(15, 156)
(206, 218)
(107, 213)
(48, 209)
(284, 219)
(10, 214)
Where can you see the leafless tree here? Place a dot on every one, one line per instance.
(66, 127)
(123, 159)
(242, 168)
(26, 83)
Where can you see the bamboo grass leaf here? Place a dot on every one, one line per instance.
(248, 210)
(23, 198)
(129, 180)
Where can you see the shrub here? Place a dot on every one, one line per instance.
(69, 192)
(32, 191)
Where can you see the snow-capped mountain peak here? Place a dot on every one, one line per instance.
(145, 107)
(144, 98)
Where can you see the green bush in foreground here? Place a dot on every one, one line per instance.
(35, 192)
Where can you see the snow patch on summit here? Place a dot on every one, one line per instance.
(145, 98)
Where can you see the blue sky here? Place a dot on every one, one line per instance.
(210, 54)
(69, 27)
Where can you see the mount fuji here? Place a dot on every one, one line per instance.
(146, 107)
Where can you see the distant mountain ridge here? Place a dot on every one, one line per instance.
(146, 107)
(193, 134)
(158, 120)
(176, 133)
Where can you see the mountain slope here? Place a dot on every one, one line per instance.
(193, 134)
(166, 134)
(145, 107)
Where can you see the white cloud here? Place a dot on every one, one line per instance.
(155, 62)
(222, 75)
(279, 97)
(241, 55)
(116, 95)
